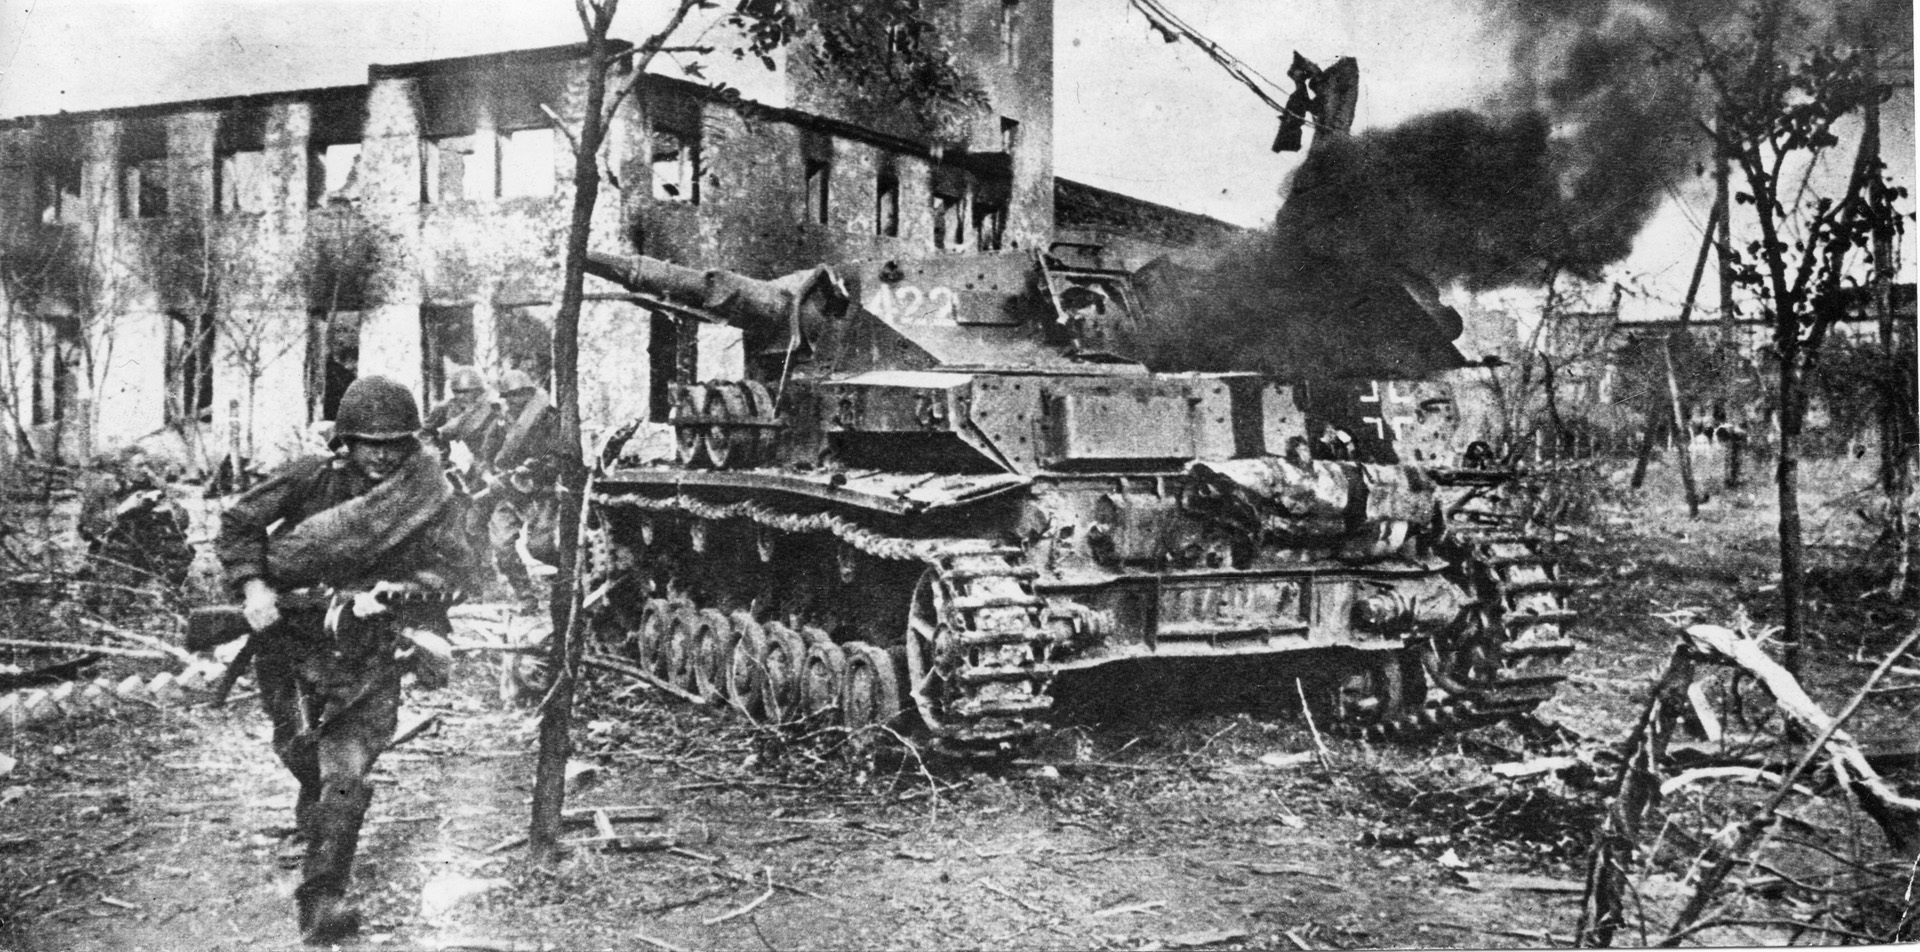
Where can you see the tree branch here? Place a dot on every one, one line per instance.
(553, 119)
(643, 55)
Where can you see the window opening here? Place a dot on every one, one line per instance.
(526, 163)
(524, 138)
(55, 373)
(819, 178)
(989, 220)
(1009, 134)
(333, 152)
(886, 210)
(333, 360)
(446, 342)
(143, 171)
(1010, 32)
(676, 174)
(190, 369)
(675, 159)
(58, 173)
(523, 339)
(949, 221)
(240, 163)
(663, 346)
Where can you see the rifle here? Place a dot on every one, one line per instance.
(210, 626)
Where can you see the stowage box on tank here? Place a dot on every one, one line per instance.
(938, 488)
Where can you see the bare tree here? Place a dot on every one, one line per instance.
(1778, 107)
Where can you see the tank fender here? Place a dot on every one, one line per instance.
(1322, 499)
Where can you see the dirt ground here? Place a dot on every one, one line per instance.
(159, 827)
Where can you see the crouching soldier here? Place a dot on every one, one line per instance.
(338, 560)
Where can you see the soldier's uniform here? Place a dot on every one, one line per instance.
(331, 686)
(468, 418)
(524, 451)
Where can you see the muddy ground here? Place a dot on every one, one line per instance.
(159, 826)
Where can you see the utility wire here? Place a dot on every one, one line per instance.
(1172, 27)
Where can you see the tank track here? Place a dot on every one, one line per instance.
(980, 682)
(1509, 659)
(974, 660)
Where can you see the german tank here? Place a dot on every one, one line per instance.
(936, 489)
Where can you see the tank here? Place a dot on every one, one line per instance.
(941, 489)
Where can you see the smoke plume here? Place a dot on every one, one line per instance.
(1600, 122)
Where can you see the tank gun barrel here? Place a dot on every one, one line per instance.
(768, 312)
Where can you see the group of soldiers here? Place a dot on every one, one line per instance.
(508, 453)
(345, 563)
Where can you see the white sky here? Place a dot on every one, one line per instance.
(1132, 113)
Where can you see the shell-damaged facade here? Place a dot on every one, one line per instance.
(227, 266)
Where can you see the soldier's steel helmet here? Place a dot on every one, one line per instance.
(466, 379)
(516, 381)
(376, 408)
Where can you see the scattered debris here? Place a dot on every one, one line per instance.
(1195, 940)
(1538, 765)
(1129, 909)
(1518, 882)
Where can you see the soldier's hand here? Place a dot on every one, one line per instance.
(370, 603)
(262, 604)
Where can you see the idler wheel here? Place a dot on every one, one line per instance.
(679, 653)
(823, 674)
(872, 697)
(780, 667)
(746, 667)
(932, 652)
(712, 642)
(650, 640)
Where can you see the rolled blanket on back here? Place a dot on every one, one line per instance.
(342, 542)
(514, 445)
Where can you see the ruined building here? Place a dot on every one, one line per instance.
(223, 268)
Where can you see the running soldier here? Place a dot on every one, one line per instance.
(525, 453)
(375, 519)
(467, 418)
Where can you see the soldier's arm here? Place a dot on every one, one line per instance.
(242, 541)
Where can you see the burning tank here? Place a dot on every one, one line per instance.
(938, 488)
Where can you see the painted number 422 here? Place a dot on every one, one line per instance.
(908, 306)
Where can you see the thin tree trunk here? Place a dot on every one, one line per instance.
(556, 715)
(1787, 482)
(1683, 432)
(1646, 449)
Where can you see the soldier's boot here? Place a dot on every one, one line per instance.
(337, 815)
(325, 918)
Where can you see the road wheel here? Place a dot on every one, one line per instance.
(823, 676)
(712, 637)
(679, 654)
(872, 696)
(780, 696)
(746, 668)
(650, 641)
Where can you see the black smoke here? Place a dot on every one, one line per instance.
(1600, 121)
